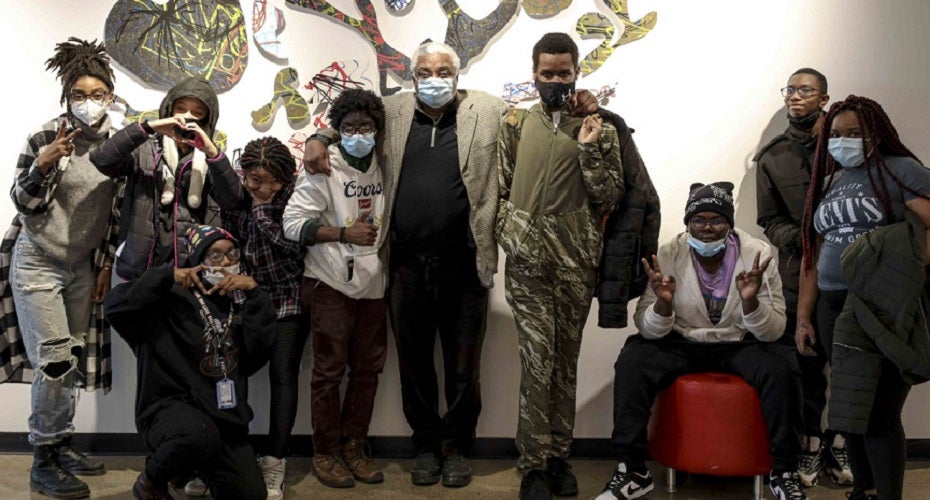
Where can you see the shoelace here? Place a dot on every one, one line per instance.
(617, 479)
(842, 458)
(791, 482)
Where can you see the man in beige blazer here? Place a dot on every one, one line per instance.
(439, 154)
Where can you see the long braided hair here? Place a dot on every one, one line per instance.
(270, 155)
(76, 58)
(880, 140)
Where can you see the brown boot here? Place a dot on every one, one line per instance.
(331, 471)
(357, 456)
(144, 489)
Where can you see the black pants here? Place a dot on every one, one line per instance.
(283, 371)
(877, 458)
(183, 439)
(645, 367)
(430, 295)
(813, 379)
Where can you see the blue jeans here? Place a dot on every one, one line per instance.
(53, 306)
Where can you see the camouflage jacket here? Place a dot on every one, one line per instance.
(554, 190)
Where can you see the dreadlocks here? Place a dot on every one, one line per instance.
(877, 130)
(269, 154)
(76, 58)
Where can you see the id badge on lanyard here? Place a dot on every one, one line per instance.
(225, 394)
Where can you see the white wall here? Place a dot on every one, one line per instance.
(701, 91)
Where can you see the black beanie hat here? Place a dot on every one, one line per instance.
(199, 239)
(716, 197)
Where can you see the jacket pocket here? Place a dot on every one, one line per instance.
(518, 234)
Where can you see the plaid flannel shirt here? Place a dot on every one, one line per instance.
(275, 262)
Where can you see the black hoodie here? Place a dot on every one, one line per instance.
(161, 323)
(148, 228)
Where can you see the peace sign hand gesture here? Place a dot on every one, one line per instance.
(662, 285)
(60, 147)
(749, 282)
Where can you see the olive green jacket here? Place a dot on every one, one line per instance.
(554, 191)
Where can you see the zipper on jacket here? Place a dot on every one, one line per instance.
(544, 199)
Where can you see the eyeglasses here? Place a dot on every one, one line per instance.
(79, 97)
(216, 256)
(802, 91)
(717, 223)
(364, 129)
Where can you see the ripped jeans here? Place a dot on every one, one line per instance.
(53, 306)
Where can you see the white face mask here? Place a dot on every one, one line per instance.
(213, 275)
(89, 111)
(847, 151)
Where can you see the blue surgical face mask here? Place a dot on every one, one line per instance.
(847, 151)
(707, 249)
(358, 145)
(435, 92)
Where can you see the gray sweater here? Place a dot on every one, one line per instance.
(76, 219)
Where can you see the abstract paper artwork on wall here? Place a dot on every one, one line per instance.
(330, 82)
(596, 24)
(469, 36)
(286, 95)
(590, 25)
(398, 6)
(514, 93)
(545, 8)
(390, 60)
(163, 43)
(267, 24)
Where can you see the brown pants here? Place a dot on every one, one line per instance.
(345, 332)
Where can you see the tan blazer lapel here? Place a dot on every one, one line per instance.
(466, 123)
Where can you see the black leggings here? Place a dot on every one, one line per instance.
(283, 370)
(877, 458)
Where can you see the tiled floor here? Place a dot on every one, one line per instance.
(494, 479)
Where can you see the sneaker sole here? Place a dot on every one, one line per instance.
(423, 479)
(839, 479)
(37, 488)
(456, 481)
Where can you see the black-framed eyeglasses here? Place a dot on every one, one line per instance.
(216, 256)
(802, 91)
(716, 223)
(363, 129)
(79, 97)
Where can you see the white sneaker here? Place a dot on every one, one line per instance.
(273, 473)
(811, 462)
(626, 485)
(195, 488)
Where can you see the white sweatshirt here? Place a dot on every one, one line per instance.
(336, 201)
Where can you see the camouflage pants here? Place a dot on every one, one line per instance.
(550, 308)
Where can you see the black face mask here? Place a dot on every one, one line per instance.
(804, 122)
(555, 94)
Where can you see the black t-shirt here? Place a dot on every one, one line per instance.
(431, 208)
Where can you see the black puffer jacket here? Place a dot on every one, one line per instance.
(885, 316)
(150, 232)
(630, 233)
(781, 187)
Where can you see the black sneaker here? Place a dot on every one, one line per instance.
(561, 478)
(860, 494)
(786, 485)
(456, 471)
(535, 486)
(426, 470)
(811, 465)
(838, 466)
(626, 484)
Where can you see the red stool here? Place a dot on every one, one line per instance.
(710, 423)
